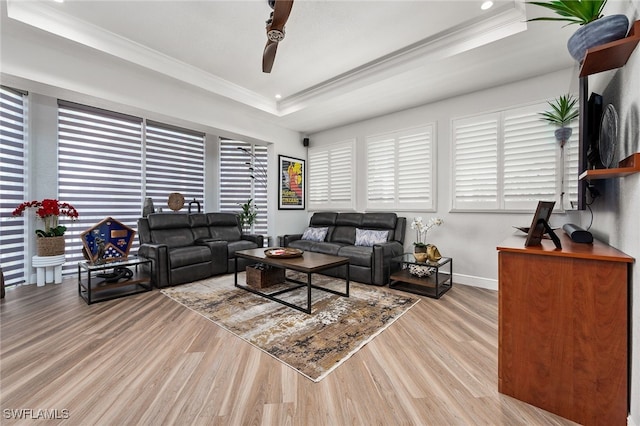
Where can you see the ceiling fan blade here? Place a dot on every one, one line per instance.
(281, 11)
(269, 56)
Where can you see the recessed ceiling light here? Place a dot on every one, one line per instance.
(59, 1)
(278, 96)
(486, 5)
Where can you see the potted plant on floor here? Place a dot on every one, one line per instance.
(594, 28)
(248, 214)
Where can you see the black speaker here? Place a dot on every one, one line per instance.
(577, 234)
(305, 142)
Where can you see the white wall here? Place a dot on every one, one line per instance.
(469, 238)
(617, 214)
(50, 67)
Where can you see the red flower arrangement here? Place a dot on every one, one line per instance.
(49, 211)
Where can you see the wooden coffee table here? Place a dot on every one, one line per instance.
(309, 263)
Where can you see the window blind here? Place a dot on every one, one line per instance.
(400, 169)
(13, 110)
(99, 170)
(331, 176)
(243, 176)
(476, 163)
(530, 159)
(510, 160)
(174, 162)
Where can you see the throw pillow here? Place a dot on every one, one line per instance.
(369, 237)
(315, 234)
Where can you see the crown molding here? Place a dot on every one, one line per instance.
(500, 23)
(46, 17)
(503, 22)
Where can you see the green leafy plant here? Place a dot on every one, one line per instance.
(579, 12)
(248, 214)
(563, 110)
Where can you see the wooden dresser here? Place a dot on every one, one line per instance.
(563, 328)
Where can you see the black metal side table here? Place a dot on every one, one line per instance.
(107, 286)
(431, 279)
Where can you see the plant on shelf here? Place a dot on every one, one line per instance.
(595, 29)
(422, 229)
(579, 12)
(563, 111)
(248, 214)
(49, 211)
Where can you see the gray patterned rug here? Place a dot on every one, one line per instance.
(314, 344)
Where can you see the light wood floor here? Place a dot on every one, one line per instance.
(147, 360)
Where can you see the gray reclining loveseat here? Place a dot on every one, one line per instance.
(369, 240)
(189, 247)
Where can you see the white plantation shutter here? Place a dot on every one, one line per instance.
(571, 169)
(318, 177)
(99, 171)
(331, 176)
(13, 110)
(236, 183)
(475, 163)
(174, 160)
(530, 163)
(400, 170)
(510, 160)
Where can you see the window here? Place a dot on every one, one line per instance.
(400, 170)
(331, 176)
(13, 110)
(243, 176)
(510, 160)
(174, 160)
(99, 170)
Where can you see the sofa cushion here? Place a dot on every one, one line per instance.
(315, 234)
(358, 255)
(344, 235)
(323, 219)
(317, 247)
(370, 237)
(381, 221)
(172, 237)
(191, 255)
(234, 246)
(168, 220)
(349, 219)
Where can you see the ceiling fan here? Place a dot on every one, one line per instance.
(275, 31)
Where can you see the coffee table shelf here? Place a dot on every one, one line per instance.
(434, 286)
(96, 289)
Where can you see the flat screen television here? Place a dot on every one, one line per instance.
(591, 105)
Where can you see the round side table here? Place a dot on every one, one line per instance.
(48, 269)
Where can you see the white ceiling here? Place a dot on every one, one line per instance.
(341, 61)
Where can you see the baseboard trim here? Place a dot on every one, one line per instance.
(473, 281)
(630, 421)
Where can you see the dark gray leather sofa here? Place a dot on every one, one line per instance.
(189, 247)
(369, 265)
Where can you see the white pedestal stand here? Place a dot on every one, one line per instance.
(48, 269)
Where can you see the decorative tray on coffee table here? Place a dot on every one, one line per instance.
(283, 252)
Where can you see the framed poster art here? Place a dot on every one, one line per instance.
(291, 191)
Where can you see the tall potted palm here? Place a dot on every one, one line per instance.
(595, 29)
(563, 111)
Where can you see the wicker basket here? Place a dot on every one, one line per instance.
(50, 246)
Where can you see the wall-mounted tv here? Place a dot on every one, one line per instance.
(590, 117)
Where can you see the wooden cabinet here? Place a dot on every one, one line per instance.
(563, 328)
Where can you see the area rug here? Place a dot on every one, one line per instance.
(313, 344)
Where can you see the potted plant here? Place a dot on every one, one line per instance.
(594, 28)
(50, 241)
(420, 246)
(563, 111)
(248, 214)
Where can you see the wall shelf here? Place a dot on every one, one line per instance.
(626, 167)
(610, 55)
